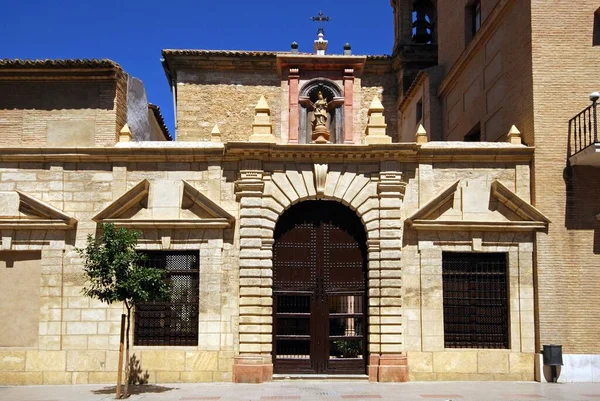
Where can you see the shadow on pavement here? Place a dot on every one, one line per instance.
(141, 389)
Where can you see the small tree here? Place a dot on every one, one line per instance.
(115, 273)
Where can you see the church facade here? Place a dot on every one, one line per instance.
(317, 215)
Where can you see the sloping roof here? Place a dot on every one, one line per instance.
(258, 53)
(160, 120)
(59, 63)
(234, 53)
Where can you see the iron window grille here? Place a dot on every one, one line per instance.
(174, 322)
(475, 287)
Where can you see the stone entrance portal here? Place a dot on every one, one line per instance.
(319, 290)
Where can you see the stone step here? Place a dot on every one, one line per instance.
(317, 377)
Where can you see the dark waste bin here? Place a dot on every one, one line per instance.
(552, 356)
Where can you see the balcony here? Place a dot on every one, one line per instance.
(584, 147)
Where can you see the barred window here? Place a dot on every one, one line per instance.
(475, 289)
(174, 322)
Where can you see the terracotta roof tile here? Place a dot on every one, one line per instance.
(59, 63)
(234, 53)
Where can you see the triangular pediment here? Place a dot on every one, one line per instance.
(19, 210)
(477, 206)
(165, 204)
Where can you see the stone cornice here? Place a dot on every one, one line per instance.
(315, 62)
(432, 152)
(462, 225)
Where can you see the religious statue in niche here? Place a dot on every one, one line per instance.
(321, 115)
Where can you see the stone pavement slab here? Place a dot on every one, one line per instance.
(316, 391)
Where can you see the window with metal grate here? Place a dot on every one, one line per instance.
(174, 322)
(475, 287)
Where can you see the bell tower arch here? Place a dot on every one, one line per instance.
(415, 38)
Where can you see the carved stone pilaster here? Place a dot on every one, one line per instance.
(250, 183)
(391, 184)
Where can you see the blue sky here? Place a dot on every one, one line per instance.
(133, 33)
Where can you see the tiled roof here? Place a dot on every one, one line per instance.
(61, 63)
(160, 120)
(191, 52)
(237, 53)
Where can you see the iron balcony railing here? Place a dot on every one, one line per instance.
(583, 128)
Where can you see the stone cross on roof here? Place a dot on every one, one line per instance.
(320, 18)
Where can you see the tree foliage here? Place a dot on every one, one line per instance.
(115, 270)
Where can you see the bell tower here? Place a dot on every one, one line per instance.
(415, 38)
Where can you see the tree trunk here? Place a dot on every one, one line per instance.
(120, 366)
(126, 392)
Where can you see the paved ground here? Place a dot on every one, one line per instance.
(315, 391)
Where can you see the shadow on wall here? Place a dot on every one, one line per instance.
(57, 95)
(138, 381)
(136, 373)
(582, 186)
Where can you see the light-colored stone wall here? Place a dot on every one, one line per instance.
(58, 114)
(228, 99)
(78, 337)
(564, 74)
(20, 278)
(428, 359)
(225, 98)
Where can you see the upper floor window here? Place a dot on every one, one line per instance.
(472, 20)
(596, 38)
(419, 111)
(174, 322)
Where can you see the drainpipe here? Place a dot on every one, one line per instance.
(174, 91)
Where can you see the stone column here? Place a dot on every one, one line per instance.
(374, 280)
(253, 364)
(349, 105)
(294, 119)
(392, 360)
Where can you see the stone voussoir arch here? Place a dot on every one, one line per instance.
(259, 213)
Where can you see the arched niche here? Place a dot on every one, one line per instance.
(335, 112)
(424, 21)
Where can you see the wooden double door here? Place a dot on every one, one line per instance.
(319, 291)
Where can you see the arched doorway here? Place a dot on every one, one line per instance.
(319, 290)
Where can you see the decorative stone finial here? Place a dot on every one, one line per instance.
(514, 136)
(421, 135)
(125, 134)
(321, 44)
(347, 49)
(262, 129)
(215, 135)
(376, 127)
(294, 47)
